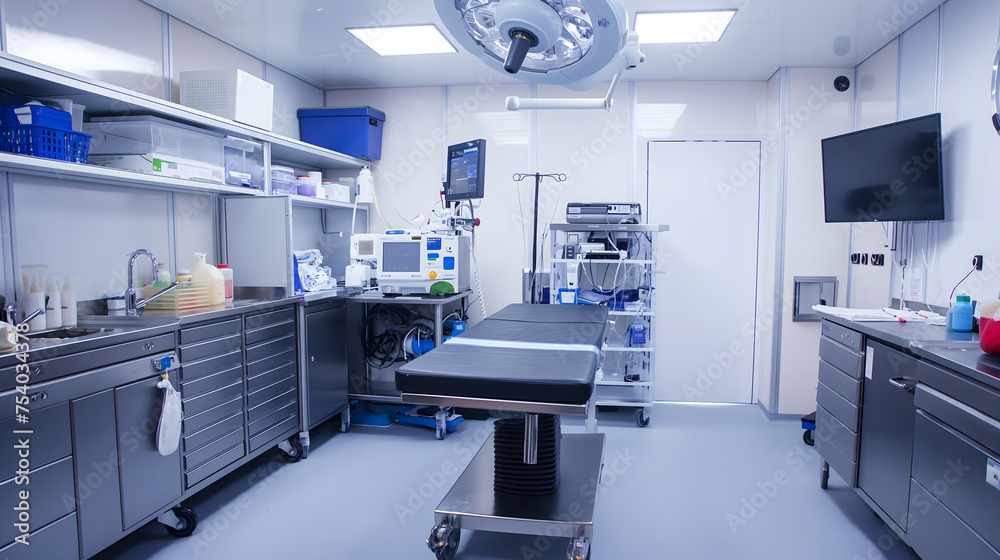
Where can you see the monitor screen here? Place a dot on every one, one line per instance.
(466, 162)
(400, 256)
(890, 173)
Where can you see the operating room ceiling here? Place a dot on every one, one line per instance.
(308, 39)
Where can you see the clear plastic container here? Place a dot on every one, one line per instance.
(305, 186)
(244, 163)
(143, 135)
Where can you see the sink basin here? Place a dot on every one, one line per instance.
(68, 332)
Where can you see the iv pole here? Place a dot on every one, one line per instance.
(518, 177)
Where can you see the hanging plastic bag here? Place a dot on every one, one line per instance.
(168, 433)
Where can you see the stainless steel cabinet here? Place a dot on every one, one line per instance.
(326, 361)
(887, 421)
(838, 399)
(271, 376)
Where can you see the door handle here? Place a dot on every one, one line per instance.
(903, 383)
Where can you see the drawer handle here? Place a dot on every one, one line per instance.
(39, 396)
(902, 383)
(149, 346)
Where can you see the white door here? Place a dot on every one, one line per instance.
(708, 193)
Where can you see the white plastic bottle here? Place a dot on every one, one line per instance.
(366, 186)
(53, 304)
(204, 273)
(227, 275)
(35, 299)
(68, 302)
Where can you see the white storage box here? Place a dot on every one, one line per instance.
(282, 179)
(157, 146)
(232, 94)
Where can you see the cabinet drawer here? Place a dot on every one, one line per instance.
(200, 421)
(269, 332)
(935, 533)
(56, 541)
(841, 383)
(202, 385)
(972, 423)
(47, 370)
(202, 437)
(209, 400)
(267, 393)
(838, 406)
(51, 488)
(271, 413)
(217, 447)
(270, 377)
(51, 439)
(845, 359)
(260, 366)
(270, 348)
(202, 350)
(214, 330)
(951, 467)
(847, 337)
(846, 468)
(215, 465)
(835, 432)
(959, 387)
(201, 368)
(271, 434)
(259, 320)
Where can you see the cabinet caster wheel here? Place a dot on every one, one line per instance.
(443, 541)
(641, 418)
(579, 549)
(808, 438)
(189, 522)
(439, 433)
(824, 476)
(293, 453)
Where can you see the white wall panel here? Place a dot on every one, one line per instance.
(88, 231)
(196, 50)
(969, 42)
(115, 41)
(764, 324)
(408, 177)
(290, 95)
(918, 68)
(876, 105)
(812, 248)
(195, 227)
(504, 248)
(695, 110)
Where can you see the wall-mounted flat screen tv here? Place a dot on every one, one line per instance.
(890, 173)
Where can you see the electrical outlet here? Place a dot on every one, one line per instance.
(878, 259)
(977, 262)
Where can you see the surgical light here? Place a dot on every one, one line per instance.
(576, 43)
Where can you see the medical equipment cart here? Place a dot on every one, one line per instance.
(613, 265)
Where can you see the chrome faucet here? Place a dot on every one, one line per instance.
(132, 306)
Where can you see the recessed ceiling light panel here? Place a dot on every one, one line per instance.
(403, 39)
(682, 27)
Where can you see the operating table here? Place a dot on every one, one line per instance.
(528, 478)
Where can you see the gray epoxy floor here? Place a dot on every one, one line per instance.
(701, 482)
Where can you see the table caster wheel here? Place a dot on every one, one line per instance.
(642, 418)
(290, 451)
(579, 549)
(189, 522)
(824, 476)
(443, 541)
(808, 438)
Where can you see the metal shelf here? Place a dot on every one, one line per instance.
(299, 200)
(35, 80)
(625, 383)
(604, 261)
(30, 165)
(610, 227)
(644, 348)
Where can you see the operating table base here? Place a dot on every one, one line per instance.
(568, 512)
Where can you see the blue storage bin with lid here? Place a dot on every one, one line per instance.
(355, 131)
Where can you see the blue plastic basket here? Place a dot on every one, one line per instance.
(42, 141)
